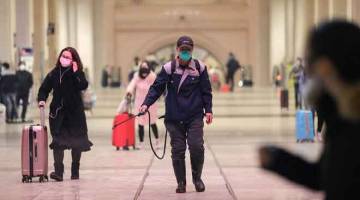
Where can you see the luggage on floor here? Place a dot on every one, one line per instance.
(304, 126)
(284, 98)
(225, 88)
(124, 134)
(2, 113)
(34, 152)
(89, 98)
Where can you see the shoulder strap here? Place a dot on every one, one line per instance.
(198, 67)
(173, 67)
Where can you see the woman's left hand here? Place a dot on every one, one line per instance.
(75, 66)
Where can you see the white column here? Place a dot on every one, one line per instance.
(277, 32)
(104, 37)
(304, 22)
(39, 39)
(23, 23)
(260, 33)
(85, 34)
(290, 30)
(7, 32)
(355, 11)
(338, 8)
(321, 10)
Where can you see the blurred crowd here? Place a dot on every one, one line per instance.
(15, 88)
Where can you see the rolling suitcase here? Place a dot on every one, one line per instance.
(34, 152)
(304, 126)
(284, 98)
(124, 134)
(225, 88)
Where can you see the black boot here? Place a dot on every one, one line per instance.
(59, 171)
(180, 173)
(75, 171)
(197, 163)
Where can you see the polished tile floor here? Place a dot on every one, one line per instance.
(243, 121)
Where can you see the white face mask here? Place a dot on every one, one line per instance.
(22, 67)
(65, 62)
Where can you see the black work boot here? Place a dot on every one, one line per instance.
(75, 171)
(59, 171)
(180, 173)
(197, 163)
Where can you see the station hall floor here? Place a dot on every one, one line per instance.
(243, 121)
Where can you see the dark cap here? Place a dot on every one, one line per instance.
(185, 41)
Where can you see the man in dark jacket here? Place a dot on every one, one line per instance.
(24, 84)
(188, 96)
(8, 92)
(333, 66)
(232, 66)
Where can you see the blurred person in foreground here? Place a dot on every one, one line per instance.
(333, 56)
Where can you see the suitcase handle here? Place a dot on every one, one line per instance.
(42, 115)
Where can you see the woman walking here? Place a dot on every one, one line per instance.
(140, 85)
(67, 117)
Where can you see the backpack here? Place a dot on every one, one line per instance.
(173, 67)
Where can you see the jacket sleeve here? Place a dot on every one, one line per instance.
(80, 81)
(45, 88)
(295, 169)
(132, 85)
(157, 88)
(206, 91)
(31, 80)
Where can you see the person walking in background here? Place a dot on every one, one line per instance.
(134, 69)
(8, 90)
(139, 87)
(67, 117)
(24, 84)
(105, 76)
(232, 66)
(296, 72)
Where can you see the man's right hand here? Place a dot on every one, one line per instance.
(41, 104)
(143, 109)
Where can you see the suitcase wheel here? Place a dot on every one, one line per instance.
(26, 179)
(43, 179)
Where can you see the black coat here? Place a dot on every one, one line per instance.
(8, 83)
(232, 66)
(338, 170)
(24, 82)
(67, 117)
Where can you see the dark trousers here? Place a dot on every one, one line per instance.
(9, 100)
(142, 132)
(230, 80)
(25, 102)
(298, 99)
(59, 156)
(192, 133)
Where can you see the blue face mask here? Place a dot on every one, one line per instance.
(185, 55)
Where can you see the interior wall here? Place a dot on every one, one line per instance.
(217, 27)
(277, 32)
(8, 29)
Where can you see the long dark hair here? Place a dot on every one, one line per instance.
(75, 57)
